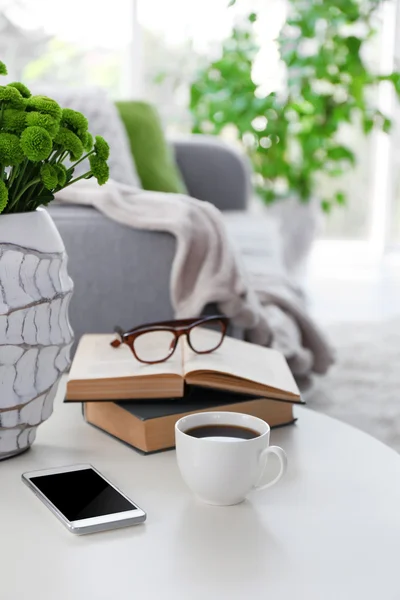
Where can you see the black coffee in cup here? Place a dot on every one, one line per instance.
(222, 431)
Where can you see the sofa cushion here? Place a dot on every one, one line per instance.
(153, 157)
(104, 120)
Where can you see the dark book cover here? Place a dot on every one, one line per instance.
(195, 399)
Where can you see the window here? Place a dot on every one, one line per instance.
(394, 167)
(79, 42)
(152, 49)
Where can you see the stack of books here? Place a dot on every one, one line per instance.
(140, 404)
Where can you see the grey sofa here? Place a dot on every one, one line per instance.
(121, 275)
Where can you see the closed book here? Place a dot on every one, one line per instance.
(101, 372)
(150, 426)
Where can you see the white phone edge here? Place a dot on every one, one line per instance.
(94, 524)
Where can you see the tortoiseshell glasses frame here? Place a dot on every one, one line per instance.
(174, 330)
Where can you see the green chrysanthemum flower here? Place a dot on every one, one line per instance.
(3, 68)
(14, 120)
(99, 169)
(61, 175)
(3, 194)
(23, 90)
(44, 105)
(38, 119)
(70, 142)
(102, 148)
(10, 150)
(11, 96)
(49, 177)
(36, 143)
(76, 122)
(88, 145)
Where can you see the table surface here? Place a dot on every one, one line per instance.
(330, 529)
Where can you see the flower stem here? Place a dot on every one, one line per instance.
(19, 177)
(15, 201)
(34, 192)
(52, 158)
(12, 176)
(81, 159)
(84, 176)
(31, 194)
(62, 157)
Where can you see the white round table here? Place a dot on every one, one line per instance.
(329, 530)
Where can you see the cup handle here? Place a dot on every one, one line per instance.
(281, 454)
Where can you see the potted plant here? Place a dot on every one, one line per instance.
(293, 138)
(37, 137)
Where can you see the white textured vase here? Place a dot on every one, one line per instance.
(35, 335)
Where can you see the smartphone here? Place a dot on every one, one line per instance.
(82, 499)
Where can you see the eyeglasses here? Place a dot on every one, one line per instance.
(156, 342)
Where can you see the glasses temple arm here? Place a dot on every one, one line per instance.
(117, 342)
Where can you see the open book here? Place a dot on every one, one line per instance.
(100, 372)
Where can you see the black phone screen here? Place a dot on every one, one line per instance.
(81, 494)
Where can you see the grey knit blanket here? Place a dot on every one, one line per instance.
(217, 262)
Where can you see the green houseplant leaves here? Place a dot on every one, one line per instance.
(292, 138)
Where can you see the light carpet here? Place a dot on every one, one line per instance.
(363, 388)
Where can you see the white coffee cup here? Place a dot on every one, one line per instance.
(223, 470)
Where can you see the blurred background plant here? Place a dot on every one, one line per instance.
(295, 137)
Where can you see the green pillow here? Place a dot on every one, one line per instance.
(153, 157)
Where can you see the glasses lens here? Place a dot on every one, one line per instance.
(207, 337)
(154, 346)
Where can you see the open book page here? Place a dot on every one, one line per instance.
(240, 366)
(96, 359)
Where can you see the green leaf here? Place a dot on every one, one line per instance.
(45, 198)
(354, 44)
(231, 3)
(268, 195)
(387, 125)
(340, 198)
(394, 78)
(160, 77)
(252, 17)
(368, 124)
(341, 153)
(70, 174)
(326, 206)
(336, 172)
